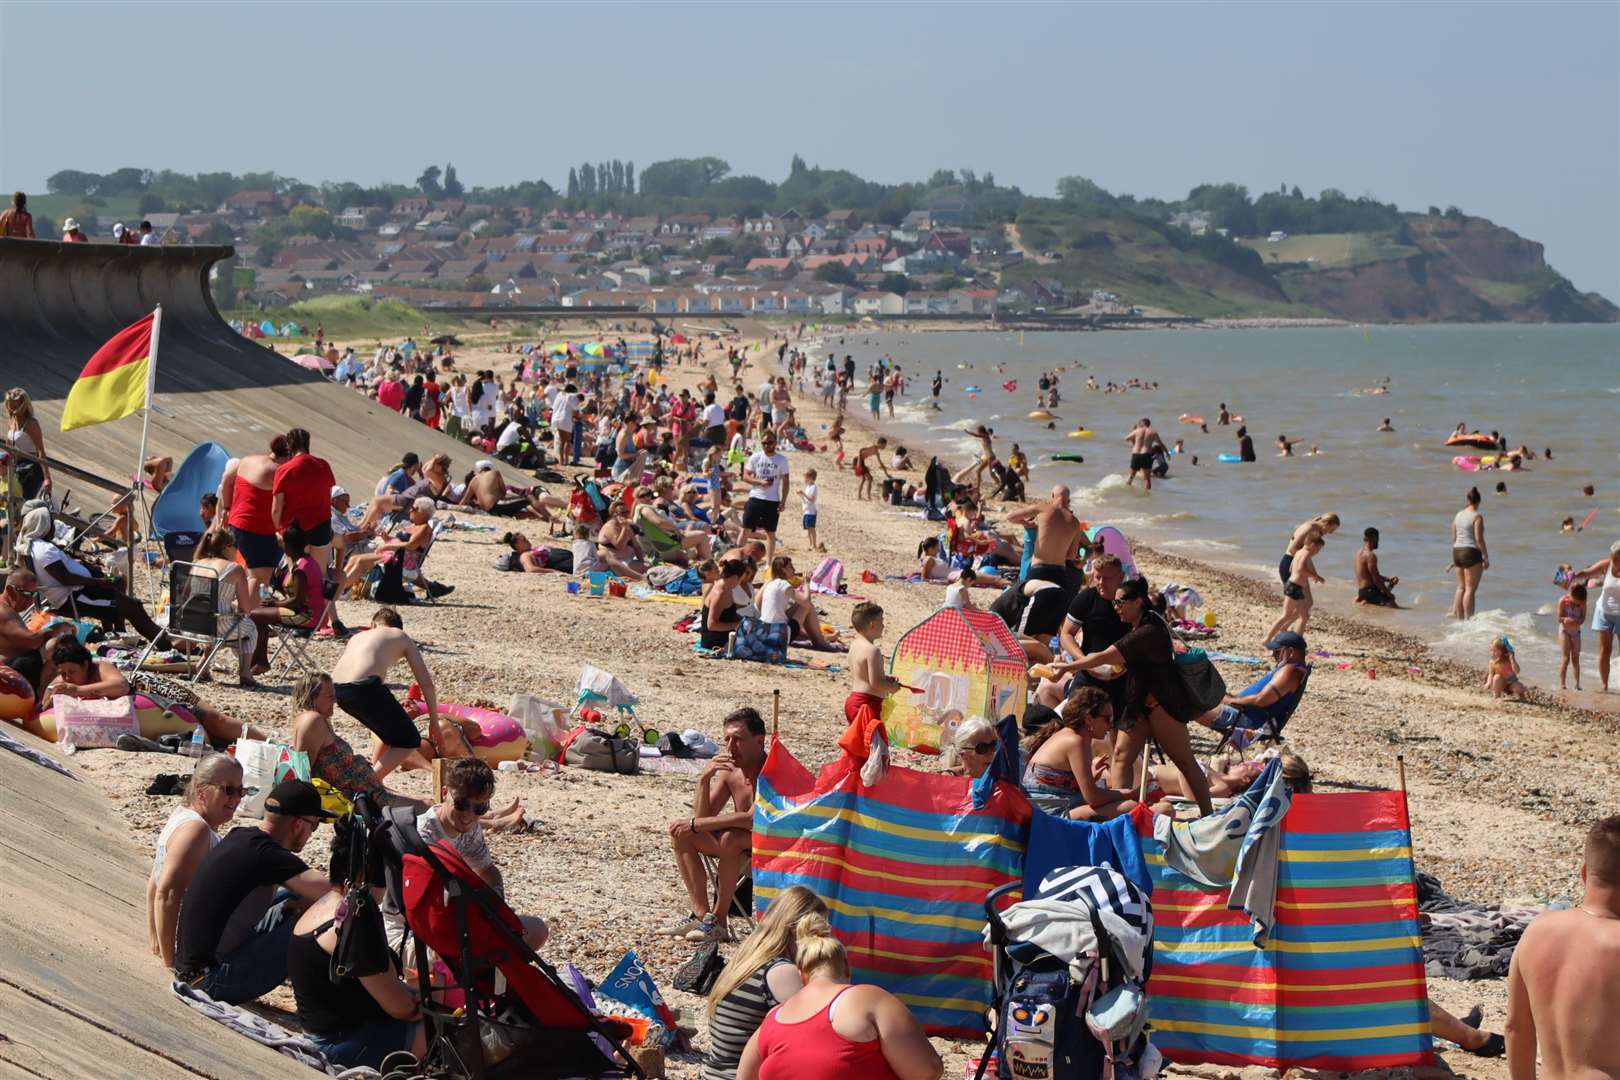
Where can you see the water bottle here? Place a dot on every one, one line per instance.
(198, 746)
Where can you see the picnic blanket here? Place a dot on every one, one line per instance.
(298, 1047)
(1467, 940)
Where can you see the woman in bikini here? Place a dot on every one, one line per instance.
(1069, 755)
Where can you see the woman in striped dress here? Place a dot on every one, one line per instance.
(760, 977)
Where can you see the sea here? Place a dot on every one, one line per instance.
(1551, 388)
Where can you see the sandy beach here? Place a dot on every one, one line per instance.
(1500, 792)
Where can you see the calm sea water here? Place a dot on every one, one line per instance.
(1542, 386)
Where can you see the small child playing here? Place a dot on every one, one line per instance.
(956, 593)
(869, 683)
(1503, 675)
(1571, 616)
(807, 502)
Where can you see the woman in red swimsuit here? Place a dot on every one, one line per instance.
(831, 1030)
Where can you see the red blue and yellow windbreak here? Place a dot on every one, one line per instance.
(904, 868)
(1339, 984)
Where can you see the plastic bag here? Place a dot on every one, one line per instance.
(543, 722)
(260, 761)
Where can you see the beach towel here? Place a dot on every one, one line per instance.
(1235, 848)
(255, 1027)
(1056, 842)
(1339, 982)
(38, 757)
(904, 866)
(1057, 918)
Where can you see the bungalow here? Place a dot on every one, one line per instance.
(253, 204)
(721, 229)
(928, 303)
(789, 217)
(950, 210)
(761, 226)
(951, 244)
(866, 243)
(816, 262)
(411, 206)
(567, 243)
(389, 230)
(973, 301)
(796, 246)
(843, 220)
(683, 224)
(732, 303)
(815, 231)
(879, 303)
(839, 300)
(772, 243)
(770, 267)
(1047, 292)
(826, 246)
(352, 217)
(797, 301)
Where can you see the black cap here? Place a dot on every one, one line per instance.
(296, 798)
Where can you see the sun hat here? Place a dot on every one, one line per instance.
(70, 224)
(483, 465)
(338, 491)
(118, 229)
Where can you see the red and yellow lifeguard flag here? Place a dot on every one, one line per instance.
(113, 384)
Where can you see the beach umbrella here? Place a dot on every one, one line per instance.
(313, 362)
(677, 339)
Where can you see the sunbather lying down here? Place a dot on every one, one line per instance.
(1165, 782)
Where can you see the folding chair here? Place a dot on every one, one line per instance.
(194, 615)
(1272, 726)
(742, 898)
(294, 640)
(411, 567)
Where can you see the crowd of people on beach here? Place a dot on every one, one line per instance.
(683, 492)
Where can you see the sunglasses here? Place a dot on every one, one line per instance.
(984, 748)
(464, 806)
(233, 791)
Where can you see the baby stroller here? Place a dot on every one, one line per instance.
(536, 1027)
(1068, 968)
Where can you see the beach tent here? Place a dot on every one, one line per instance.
(1112, 542)
(267, 328)
(1337, 983)
(175, 510)
(966, 663)
(904, 866)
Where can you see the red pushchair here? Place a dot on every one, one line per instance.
(537, 1027)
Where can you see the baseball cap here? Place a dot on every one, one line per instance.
(296, 798)
(338, 491)
(1288, 639)
(483, 465)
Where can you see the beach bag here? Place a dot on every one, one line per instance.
(389, 587)
(602, 751)
(93, 723)
(260, 762)
(828, 577)
(1204, 683)
(508, 562)
(698, 975)
(760, 641)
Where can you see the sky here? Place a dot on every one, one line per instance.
(1510, 111)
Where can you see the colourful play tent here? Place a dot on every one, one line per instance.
(1111, 541)
(966, 663)
(903, 865)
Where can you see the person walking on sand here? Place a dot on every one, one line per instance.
(863, 467)
(1297, 597)
(1605, 610)
(1469, 555)
(1562, 993)
(1145, 442)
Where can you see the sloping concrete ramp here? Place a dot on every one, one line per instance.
(81, 995)
(60, 302)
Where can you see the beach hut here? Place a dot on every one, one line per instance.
(965, 663)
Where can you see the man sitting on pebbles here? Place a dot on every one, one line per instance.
(710, 831)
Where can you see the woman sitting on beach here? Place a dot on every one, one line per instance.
(212, 796)
(760, 977)
(972, 749)
(409, 544)
(301, 584)
(694, 542)
(331, 758)
(1155, 691)
(80, 675)
(368, 1012)
(934, 570)
(831, 1030)
(720, 614)
(1063, 759)
(237, 600)
(434, 483)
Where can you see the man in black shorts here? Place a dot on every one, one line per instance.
(769, 477)
(1373, 587)
(1144, 442)
(358, 682)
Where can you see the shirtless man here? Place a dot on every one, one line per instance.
(1371, 586)
(358, 683)
(1053, 579)
(863, 467)
(616, 544)
(1144, 442)
(25, 651)
(1563, 996)
(711, 831)
(488, 491)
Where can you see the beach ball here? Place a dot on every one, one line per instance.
(16, 695)
(1209, 619)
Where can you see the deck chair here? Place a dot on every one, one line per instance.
(413, 561)
(663, 545)
(294, 641)
(1266, 726)
(194, 615)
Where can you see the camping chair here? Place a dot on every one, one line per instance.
(547, 1028)
(294, 641)
(194, 615)
(412, 561)
(742, 898)
(1269, 727)
(664, 546)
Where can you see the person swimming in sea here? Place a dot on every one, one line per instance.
(1386, 425)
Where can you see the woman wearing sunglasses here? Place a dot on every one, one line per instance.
(1154, 691)
(191, 832)
(973, 746)
(1061, 775)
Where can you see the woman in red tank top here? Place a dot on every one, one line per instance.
(831, 1030)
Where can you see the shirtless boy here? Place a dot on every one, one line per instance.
(863, 466)
(1371, 586)
(869, 683)
(358, 682)
(1144, 441)
(712, 831)
(1563, 996)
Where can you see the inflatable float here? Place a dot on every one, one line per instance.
(16, 696)
(154, 720)
(1076, 458)
(970, 389)
(1082, 433)
(1010, 385)
(1228, 459)
(1042, 414)
(499, 738)
(1474, 462)
(1477, 439)
(1188, 418)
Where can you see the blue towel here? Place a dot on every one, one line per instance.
(1055, 842)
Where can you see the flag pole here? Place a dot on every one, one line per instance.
(135, 492)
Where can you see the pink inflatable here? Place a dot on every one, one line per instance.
(500, 738)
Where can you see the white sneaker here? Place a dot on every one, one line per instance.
(683, 928)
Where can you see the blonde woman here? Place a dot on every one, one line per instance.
(760, 977)
(831, 1030)
(217, 551)
(23, 433)
(1322, 525)
(212, 796)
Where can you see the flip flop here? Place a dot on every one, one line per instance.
(131, 743)
(1493, 1046)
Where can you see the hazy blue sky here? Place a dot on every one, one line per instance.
(1511, 111)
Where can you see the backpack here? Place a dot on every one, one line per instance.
(603, 751)
(1040, 1031)
(508, 561)
(828, 577)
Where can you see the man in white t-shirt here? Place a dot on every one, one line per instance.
(71, 588)
(769, 476)
(564, 409)
(713, 420)
(510, 436)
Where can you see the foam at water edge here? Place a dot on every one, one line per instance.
(1470, 640)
